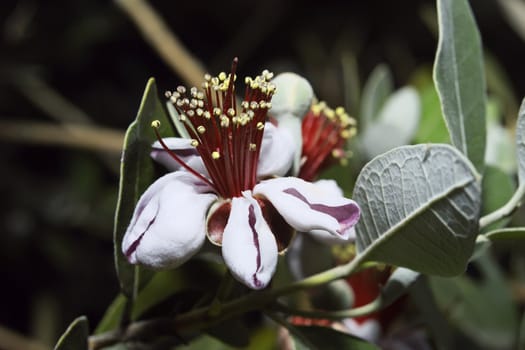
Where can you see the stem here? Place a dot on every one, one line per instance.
(201, 318)
(90, 137)
(505, 210)
(165, 42)
(363, 310)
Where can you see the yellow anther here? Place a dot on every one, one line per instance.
(155, 124)
(181, 89)
(201, 129)
(207, 77)
(253, 147)
(167, 94)
(231, 112)
(222, 76)
(194, 143)
(206, 114)
(217, 111)
(182, 117)
(316, 109)
(260, 126)
(215, 155)
(340, 111)
(346, 134)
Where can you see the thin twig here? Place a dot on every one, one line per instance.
(14, 341)
(79, 136)
(373, 306)
(49, 100)
(167, 45)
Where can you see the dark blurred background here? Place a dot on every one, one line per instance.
(85, 62)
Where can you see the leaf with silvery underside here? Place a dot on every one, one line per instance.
(520, 143)
(459, 78)
(420, 208)
(75, 337)
(397, 285)
(375, 93)
(136, 174)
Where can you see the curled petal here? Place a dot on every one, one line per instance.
(183, 149)
(369, 329)
(277, 152)
(164, 230)
(331, 188)
(248, 246)
(308, 207)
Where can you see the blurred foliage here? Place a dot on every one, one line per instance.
(56, 219)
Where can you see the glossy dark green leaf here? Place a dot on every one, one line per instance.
(420, 208)
(197, 275)
(112, 316)
(459, 77)
(506, 234)
(432, 127)
(498, 188)
(75, 337)
(483, 309)
(136, 174)
(324, 338)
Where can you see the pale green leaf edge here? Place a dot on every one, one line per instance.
(444, 10)
(75, 336)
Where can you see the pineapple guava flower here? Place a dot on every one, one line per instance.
(320, 134)
(226, 184)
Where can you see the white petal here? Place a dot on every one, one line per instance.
(293, 95)
(369, 329)
(331, 188)
(291, 101)
(308, 207)
(277, 152)
(183, 149)
(248, 246)
(165, 231)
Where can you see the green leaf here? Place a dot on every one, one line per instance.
(196, 275)
(432, 126)
(376, 91)
(498, 188)
(459, 78)
(112, 316)
(397, 284)
(324, 338)
(484, 309)
(420, 208)
(520, 143)
(501, 148)
(506, 234)
(76, 336)
(136, 174)
(395, 125)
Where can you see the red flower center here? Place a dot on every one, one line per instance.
(325, 132)
(227, 135)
